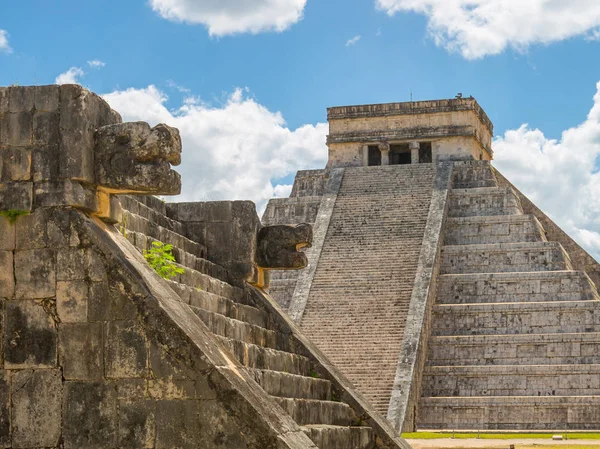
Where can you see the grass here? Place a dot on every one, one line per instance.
(13, 214)
(500, 436)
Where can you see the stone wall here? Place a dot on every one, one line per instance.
(89, 360)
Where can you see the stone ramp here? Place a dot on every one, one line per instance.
(259, 338)
(362, 286)
(515, 338)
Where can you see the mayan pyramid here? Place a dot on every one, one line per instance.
(443, 294)
(105, 344)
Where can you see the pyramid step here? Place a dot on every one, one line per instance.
(292, 386)
(537, 286)
(188, 260)
(311, 411)
(340, 437)
(140, 225)
(257, 357)
(512, 380)
(504, 257)
(483, 201)
(529, 349)
(493, 229)
(510, 413)
(218, 304)
(237, 330)
(517, 318)
(473, 174)
(199, 281)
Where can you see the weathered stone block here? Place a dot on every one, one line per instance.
(81, 351)
(44, 164)
(137, 424)
(4, 408)
(7, 235)
(71, 264)
(177, 424)
(218, 431)
(61, 228)
(77, 133)
(109, 302)
(126, 350)
(71, 301)
(30, 338)
(31, 230)
(16, 195)
(64, 193)
(46, 130)
(16, 164)
(3, 99)
(279, 245)
(47, 98)
(17, 129)
(89, 415)
(163, 365)
(7, 279)
(35, 271)
(133, 157)
(36, 399)
(21, 98)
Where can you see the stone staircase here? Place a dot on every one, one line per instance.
(361, 291)
(235, 318)
(515, 332)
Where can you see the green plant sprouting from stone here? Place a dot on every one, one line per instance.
(160, 257)
(13, 214)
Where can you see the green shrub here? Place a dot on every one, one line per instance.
(160, 257)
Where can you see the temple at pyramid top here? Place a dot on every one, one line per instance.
(408, 133)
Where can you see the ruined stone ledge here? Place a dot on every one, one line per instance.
(410, 107)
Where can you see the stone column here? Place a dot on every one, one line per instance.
(365, 155)
(414, 151)
(384, 147)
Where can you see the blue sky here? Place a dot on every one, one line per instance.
(248, 82)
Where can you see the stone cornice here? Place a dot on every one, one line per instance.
(410, 107)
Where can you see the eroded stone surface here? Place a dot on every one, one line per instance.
(136, 158)
(278, 246)
(36, 396)
(30, 336)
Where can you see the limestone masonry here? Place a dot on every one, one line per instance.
(447, 298)
(414, 288)
(99, 351)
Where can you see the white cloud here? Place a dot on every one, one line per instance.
(560, 176)
(184, 90)
(4, 46)
(594, 35)
(229, 152)
(224, 17)
(353, 41)
(70, 76)
(476, 28)
(96, 63)
(282, 190)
